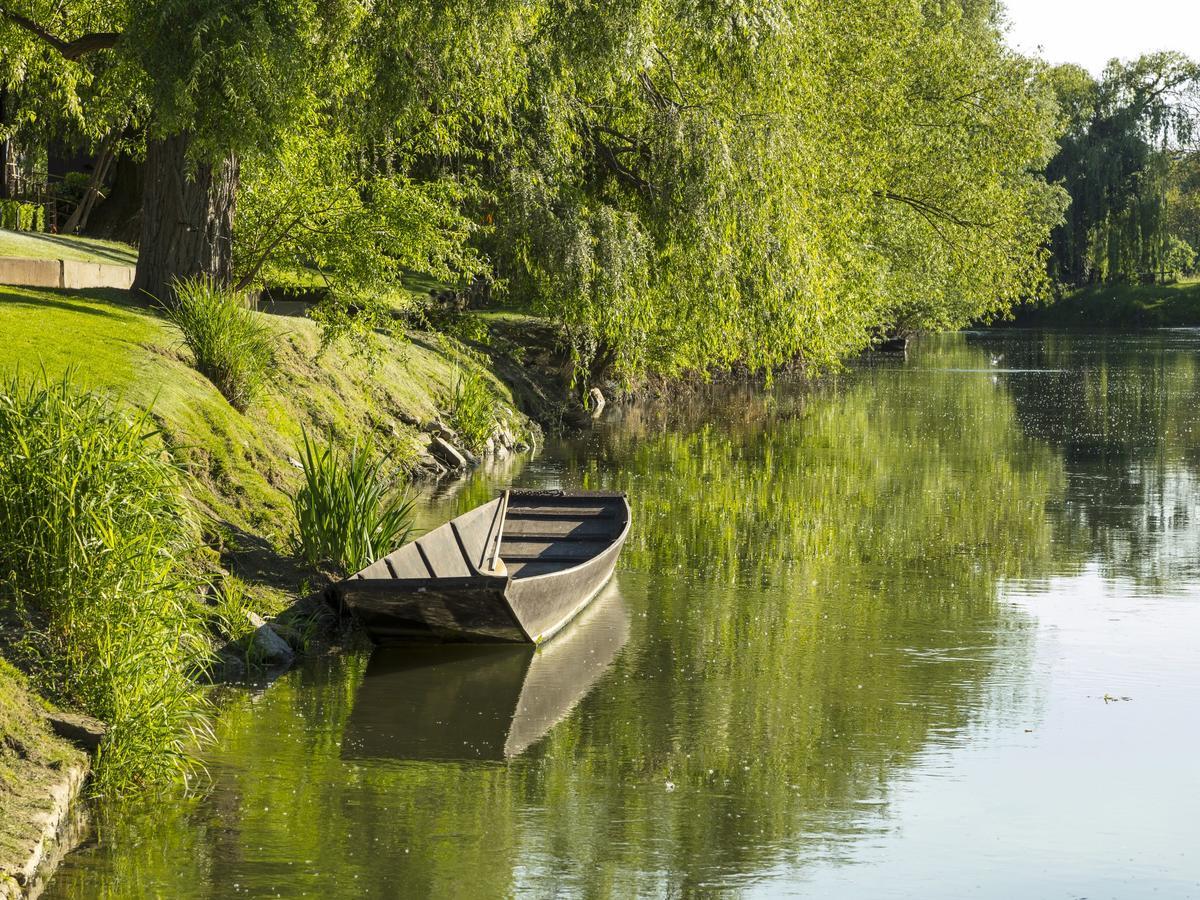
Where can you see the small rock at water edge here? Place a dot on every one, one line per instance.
(447, 453)
(81, 730)
(273, 648)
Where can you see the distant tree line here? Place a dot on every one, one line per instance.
(1128, 158)
(682, 186)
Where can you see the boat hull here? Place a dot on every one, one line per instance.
(546, 603)
(454, 609)
(515, 570)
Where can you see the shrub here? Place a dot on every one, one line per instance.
(348, 512)
(233, 348)
(18, 216)
(472, 412)
(93, 543)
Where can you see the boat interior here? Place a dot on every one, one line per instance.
(544, 534)
(521, 534)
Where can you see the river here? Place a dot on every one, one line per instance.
(925, 630)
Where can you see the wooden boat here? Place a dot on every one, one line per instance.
(515, 570)
(481, 701)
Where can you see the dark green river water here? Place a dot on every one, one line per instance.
(927, 630)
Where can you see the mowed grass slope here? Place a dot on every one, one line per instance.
(32, 245)
(242, 463)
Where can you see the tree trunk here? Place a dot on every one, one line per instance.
(5, 152)
(78, 219)
(187, 218)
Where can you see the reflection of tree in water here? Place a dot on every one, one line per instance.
(1121, 409)
(797, 562)
(812, 580)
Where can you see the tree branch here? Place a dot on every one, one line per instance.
(928, 209)
(80, 46)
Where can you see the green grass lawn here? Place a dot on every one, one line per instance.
(31, 245)
(1111, 305)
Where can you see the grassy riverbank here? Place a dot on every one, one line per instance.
(238, 470)
(1121, 305)
(243, 464)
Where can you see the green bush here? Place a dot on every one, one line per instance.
(232, 346)
(472, 409)
(94, 540)
(348, 511)
(18, 216)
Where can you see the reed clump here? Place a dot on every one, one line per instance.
(472, 409)
(232, 347)
(349, 510)
(95, 544)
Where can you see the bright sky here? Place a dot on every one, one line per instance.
(1090, 32)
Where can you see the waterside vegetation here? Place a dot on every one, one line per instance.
(145, 518)
(95, 545)
(349, 510)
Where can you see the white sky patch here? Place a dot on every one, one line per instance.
(1091, 32)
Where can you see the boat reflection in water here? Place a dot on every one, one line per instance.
(481, 701)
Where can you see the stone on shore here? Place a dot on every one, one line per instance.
(274, 649)
(82, 731)
(447, 454)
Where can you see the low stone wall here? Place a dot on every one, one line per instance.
(64, 273)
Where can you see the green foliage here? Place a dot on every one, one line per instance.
(694, 196)
(472, 408)
(18, 216)
(1178, 257)
(94, 538)
(1183, 199)
(309, 204)
(1118, 161)
(348, 511)
(232, 346)
(270, 63)
(680, 189)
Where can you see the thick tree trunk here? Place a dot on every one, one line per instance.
(187, 218)
(119, 217)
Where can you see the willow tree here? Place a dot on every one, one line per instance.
(681, 189)
(687, 190)
(1121, 135)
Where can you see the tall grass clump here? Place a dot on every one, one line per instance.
(349, 512)
(471, 411)
(233, 348)
(94, 541)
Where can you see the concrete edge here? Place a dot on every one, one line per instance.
(63, 826)
(67, 274)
